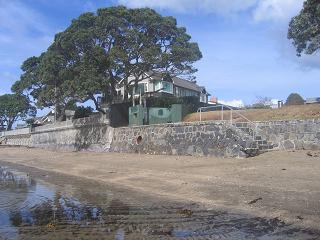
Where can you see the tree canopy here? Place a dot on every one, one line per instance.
(99, 51)
(304, 29)
(14, 107)
(294, 99)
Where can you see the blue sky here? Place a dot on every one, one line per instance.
(245, 50)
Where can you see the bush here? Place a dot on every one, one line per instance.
(82, 112)
(294, 99)
(259, 106)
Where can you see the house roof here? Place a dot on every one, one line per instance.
(186, 84)
(192, 85)
(313, 100)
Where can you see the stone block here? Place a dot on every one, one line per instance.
(288, 144)
(190, 150)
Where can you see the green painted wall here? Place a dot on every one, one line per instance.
(136, 115)
(155, 115)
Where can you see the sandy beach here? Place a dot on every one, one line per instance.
(285, 185)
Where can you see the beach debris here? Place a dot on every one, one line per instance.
(186, 212)
(300, 218)
(255, 200)
(51, 226)
(313, 154)
(309, 154)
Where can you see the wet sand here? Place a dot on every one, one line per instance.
(280, 186)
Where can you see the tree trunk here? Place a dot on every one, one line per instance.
(10, 123)
(125, 90)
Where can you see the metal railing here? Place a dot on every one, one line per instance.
(223, 109)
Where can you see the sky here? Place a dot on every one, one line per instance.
(246, 53)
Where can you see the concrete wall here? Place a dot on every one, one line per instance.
(18, 140)
(293, 134)
(88, 137)
(91, 134)
(16, 132)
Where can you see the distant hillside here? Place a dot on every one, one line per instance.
(285, 113)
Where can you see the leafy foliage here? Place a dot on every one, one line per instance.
(294, 99)
(304, 29)
(14, 107)
(98, 52)
(82, 112)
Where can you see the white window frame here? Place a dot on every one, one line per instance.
(171, 92)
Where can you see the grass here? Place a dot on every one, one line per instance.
(285, 113)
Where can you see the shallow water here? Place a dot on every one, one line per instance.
(32, 208)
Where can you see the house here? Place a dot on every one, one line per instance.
(160, 85)
(47, 119)
(315, 100)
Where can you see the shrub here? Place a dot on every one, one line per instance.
(82, 112)
(294, 99)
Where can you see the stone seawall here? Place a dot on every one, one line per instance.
(293, 134)
(197, 139)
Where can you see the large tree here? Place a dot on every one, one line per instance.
(14, 107)
(99, 51)
(304, 29)
(146, 42)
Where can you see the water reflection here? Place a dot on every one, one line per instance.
(25, 202)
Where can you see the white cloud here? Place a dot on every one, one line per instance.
(233, 103)
(207, 6)
(276, 10)
(16, 18)
(261, 10)
(22, 31)
(286, 50)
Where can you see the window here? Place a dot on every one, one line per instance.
(157, 85)
(160, 112)
(203, 98)
(177, 92)
(140, 89)
(167, 87)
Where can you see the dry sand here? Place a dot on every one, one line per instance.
(284, 185)
(311, 111)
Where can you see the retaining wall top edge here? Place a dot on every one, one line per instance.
(178, 124)
(314, 120)
(286, 121)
